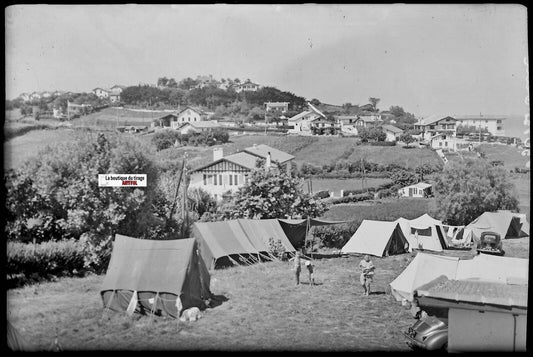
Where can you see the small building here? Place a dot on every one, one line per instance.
(281, 107)
(101, 93)
(25, 97)
(115, 92)
(435, 124)
(132, 129)
(443, 141)
(302, 123)
(35, 96)
(393, 133)
(421, 190)
(346, 124)
(198, 127)
(368, 121)
(482, 316)
(188, 115)
(247, 86)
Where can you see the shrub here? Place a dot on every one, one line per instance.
(44, 260)
(321, 194)
(335, 236)
(276, 248)
(382, 143)
(355, 198)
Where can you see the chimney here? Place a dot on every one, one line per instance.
(218, 154)
(268, 161)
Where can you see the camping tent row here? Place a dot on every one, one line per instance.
(239, 240)
(427, 267)
(505, 223)
(245, 240)
(382, 238)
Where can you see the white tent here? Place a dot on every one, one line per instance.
(423, 269)
(424, 233)
(427, 267)
(377, 238)
(523, 221)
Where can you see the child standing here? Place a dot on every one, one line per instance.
(310, 269)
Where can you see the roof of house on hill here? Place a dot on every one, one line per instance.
(479, 117)
(476, 291)
(201, 124)
(345, 117)
(368, 119)
(262, 150)
(392, 128)
(421, 185)
(433, 119)
(315, 109)
(196, 109)
(369, 106)
(300, 115)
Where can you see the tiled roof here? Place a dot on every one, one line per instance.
(392, 128)
(202, 124)
(432, 119)
(300, 115)
(243, 159)
(275, 154)
(421, 185)
(475, 291)
(198, 110)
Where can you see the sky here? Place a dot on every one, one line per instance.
(429, 59)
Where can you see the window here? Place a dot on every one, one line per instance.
(445, 143)
(220, 180)
(231, 180)
(440, 143)
(499, 128)
(486, 121)
(215, 180)
(236, 180)
(205, 180)
(189, 118)
(498, 121)
(432, 127)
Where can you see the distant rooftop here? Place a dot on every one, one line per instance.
(262, 150)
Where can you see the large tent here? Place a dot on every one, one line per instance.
(426, 267)
(296, 229)
(505, 223)
(422, 269)
(524, 228)
(377, 238)
(238, 239)
(155, 276)
(424, 232)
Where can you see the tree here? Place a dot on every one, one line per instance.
(406, 138)
(374, 102)
(402, 177)
(315, 102)
(469, 188)
(273, 194)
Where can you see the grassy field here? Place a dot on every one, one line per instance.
(336, 185)
(522, 183)
(263, 311)
(383, 210)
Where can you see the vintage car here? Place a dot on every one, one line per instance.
(490, 243)
(428, 333)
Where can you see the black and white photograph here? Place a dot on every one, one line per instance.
(266, 177)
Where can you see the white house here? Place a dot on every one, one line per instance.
(434, 124)
(115, 92)
(494, 125)
(347, 124)
(247, 86)
(25, 96)
(101, 92)
(198, 127)
(393, 133)
(301, 123)
(226, 174)
(443, 141)
(35, 96)
(277, 106)
(188, 115)
(420, 189)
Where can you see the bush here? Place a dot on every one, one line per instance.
(61, 258)
(382, 143)
(321, 194)
(354, 198)
(276, 248)
(334, 236)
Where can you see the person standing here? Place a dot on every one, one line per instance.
(367, 273)
(297, 267)
(310, 269)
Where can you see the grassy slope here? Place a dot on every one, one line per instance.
(264, 311)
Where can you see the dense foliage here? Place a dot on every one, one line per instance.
(467, 189)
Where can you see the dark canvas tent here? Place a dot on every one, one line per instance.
(377, 238)
(238, 239)
(296, 229)
(505, 223)
(161, 274)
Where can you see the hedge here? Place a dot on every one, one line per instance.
(26, 262)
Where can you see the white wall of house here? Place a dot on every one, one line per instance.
(444, 142)
(101, 93)
(473, 330)
(189, 116)
(494, 126)
(217, 186)
(411, 192)
(390, 136)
